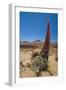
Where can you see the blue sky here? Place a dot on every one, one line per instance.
(33, 26)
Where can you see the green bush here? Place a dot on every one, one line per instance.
(50, 69)
(39, 64)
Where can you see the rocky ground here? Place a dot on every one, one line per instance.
(25, 62)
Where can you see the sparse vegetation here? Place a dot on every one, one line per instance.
(34, 55)
(39, 64)
(38, 74)
(50, 70)
(56, 58)
(28, 65)
(35, 65)
(21, 67)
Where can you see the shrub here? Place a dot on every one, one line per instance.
(22, 68)
(56, 58)
(39, 64)
(50, 69)
(38, 74)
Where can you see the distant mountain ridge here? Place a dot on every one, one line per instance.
(28, 42)
(35, 43)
